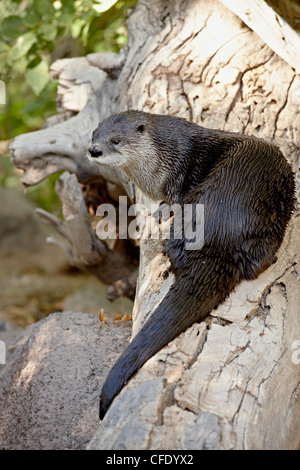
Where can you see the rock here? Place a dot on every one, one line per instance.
(9, 332)
(92, 298)
(22, 231)
(50, 385)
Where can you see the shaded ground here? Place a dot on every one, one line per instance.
(35, 278)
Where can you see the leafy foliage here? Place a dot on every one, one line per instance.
(33, 34)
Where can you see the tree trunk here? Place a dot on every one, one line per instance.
(232, 381)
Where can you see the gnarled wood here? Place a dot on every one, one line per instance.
(273, 29)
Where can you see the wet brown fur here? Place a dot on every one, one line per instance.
(247, 188)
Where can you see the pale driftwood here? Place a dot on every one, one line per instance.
(230, 382)
(273, 29)
(85, 247)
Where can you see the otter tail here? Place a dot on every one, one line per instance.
(190, 299)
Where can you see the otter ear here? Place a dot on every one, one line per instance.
(140, 128)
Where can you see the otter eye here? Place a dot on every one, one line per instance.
(115, 141)
(140, 128)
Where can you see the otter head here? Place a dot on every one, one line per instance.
(119, 140)
(124, 141)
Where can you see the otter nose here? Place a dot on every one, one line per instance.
(95, 151)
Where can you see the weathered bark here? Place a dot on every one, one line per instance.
(270, 27)
(229, 382)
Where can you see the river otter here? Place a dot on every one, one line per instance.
(247, 188)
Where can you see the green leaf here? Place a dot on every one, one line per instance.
(48, 31)
(3, 47)
(85, 34)
(76, 27)
(21, 47)
(65, 18)
(31, 19)
(2, 65)
(34, 62)
(100, 6)
(44, 7)
(60, 32)
(11, 28)
(38, 77)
